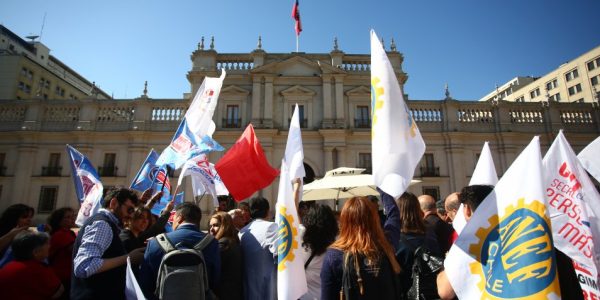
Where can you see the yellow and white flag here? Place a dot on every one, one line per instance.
(397, 145)
(291, 277)
(505, 251)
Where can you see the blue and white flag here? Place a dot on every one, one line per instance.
(506, 251)
(88, 186)
(205, 179)
(147, 173)
(397, 145)
(185, 145)
(194, 135)
(161, 183)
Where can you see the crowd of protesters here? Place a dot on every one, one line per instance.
(360, 253)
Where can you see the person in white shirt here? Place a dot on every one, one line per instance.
(257, 241)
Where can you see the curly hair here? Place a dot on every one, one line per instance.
(321, 229)
(56, 217)
(10, 217)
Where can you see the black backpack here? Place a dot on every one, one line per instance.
(425, 269)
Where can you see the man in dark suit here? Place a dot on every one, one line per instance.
(433, 223)
(186, 232)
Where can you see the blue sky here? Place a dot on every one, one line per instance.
(469, 44)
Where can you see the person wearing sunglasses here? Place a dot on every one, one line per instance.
(99, 258)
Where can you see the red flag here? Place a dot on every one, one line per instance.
(244, 168)
(296, 16)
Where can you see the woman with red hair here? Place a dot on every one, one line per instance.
(363, 255)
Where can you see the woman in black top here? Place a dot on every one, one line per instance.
(230, 283)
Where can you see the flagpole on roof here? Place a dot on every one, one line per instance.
(297, 38)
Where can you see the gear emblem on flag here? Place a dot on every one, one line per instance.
(376, 102)
(514, 256)
(286, 236)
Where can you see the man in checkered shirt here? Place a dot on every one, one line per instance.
(99, 258)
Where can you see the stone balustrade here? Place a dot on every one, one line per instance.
(165, 115)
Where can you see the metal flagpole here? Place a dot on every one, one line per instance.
(297, 42)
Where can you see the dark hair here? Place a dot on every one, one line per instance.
(321, 229)
(243, 204)
(411, 215)
(190, 212)
(122, 194)
(56, 217)
(473, 195)
(10, 217)
(26, 242)
(259, 207)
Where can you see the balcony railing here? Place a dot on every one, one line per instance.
(362, 123)
(165, 115)
(430, 172)
(232, 123)
(108, 171)
(303, 123)
(51, 171)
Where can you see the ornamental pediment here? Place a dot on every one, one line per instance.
(298, 66)
(359, 91)
(298, 90)
(234, 90)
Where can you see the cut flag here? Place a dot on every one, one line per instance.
(194, 135)
(155, 177)
(505, 251)
(589, 158)
(205, 179)
(573, 207)
(397, 145)
(291, 276)
(145, 176)
(294, 154)
(484, 173)
(244, 168)
(296, 17)
(88, 186)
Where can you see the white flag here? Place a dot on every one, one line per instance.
(484, 173)
(291, 276)
(397, 145)
(205, 179)
(573, 202)
(132, 288)
(505, 251)
(294, 154)
(589, 158)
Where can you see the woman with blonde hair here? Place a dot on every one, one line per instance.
(363, 255)
(222, 228)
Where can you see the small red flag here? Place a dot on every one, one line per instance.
(296, 16)
(244, 168)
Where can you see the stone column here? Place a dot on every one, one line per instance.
(256, 91)
(268, 114)
(327, 103)
(339, 102)
(341, 156)
(328, 158)
(24, 168)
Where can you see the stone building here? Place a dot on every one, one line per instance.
(574, 81)
(333, 91)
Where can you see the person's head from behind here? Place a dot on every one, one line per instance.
(221, 225)
(259, 208)
(321, 228)
(140, 220)
(29, 245)
(471, 196)
(122, 202)
(187, 212)
(16, 215)
(451, 204)
(62, 218)
(427, 204)
(223, 202)
(361, 232)
(237, 217)
(411, 215)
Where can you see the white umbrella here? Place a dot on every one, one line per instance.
(340, 183)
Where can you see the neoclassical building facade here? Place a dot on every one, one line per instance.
(333, 92)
